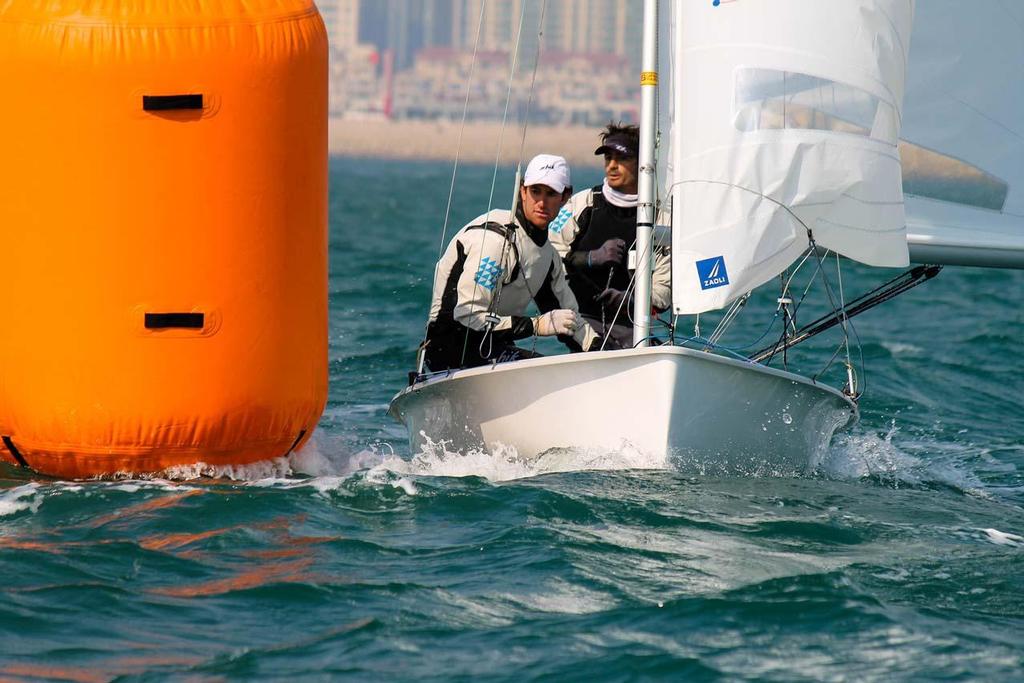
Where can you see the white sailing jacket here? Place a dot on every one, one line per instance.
(493, 266)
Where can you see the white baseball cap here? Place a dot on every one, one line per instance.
(550, 170)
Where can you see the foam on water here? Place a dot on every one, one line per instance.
(20, 498)
(326, 470)
(1002, 538)
(278, 467)
(32, 496)
(894, 461)
(501, 462)
(326, 462)
(902, 348)
(560, 597)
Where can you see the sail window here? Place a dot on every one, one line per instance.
(769, 99)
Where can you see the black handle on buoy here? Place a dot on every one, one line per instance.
(158, 321)
(168, 102)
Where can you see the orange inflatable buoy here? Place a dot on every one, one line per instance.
(163, 226)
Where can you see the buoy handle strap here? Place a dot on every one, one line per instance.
(169, 102)
(192, 321)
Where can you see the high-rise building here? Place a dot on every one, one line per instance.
(437, 23)
(405, 26)
(570, 26)
(500, 23)
(341, 17)
(375, 42)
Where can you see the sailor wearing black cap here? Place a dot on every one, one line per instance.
(491, 271)
(594, 233)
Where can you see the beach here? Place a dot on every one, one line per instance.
(440, 140)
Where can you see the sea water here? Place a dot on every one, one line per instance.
(900, 557)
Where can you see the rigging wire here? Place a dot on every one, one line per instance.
(490, 199)
(451, 187)
(508, 99)
(522, 143)
(533, 83)
(840, 312)
(851, 377)
(880, 294)
(844, 321)
(728, 318)
(462, 127)
(796, 305)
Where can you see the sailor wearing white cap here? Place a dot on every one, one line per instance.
(491, 271)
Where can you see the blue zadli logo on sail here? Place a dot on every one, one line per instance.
(712, 273)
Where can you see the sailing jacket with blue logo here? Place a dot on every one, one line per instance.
(497, 266)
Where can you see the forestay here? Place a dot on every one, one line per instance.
(786, 114)
(963, 131)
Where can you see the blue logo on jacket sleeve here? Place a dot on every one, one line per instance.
(560, 220)
(711, 272)
(488, 273)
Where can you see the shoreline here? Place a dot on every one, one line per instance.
(439, 140)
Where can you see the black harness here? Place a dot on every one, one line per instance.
(599, 223)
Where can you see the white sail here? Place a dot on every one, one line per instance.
(963, 131)
(786, 115)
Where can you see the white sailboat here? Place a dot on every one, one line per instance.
(785, 125)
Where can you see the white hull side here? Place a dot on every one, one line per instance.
(671, 401)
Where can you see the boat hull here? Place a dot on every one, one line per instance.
(691, 406)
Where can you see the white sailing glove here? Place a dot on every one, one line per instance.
(559, 321)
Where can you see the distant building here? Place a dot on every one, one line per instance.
(341, 17)
(411, 59)
(566, 92)
(580, 26)
(355, 65)
(405, 27)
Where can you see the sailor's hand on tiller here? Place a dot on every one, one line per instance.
(559, 321)
(611, 251)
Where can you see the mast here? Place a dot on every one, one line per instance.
(645, 210)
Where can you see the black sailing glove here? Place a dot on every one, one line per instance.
(611, 299)
(611, 251)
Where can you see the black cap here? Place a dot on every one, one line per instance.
(623, 145)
